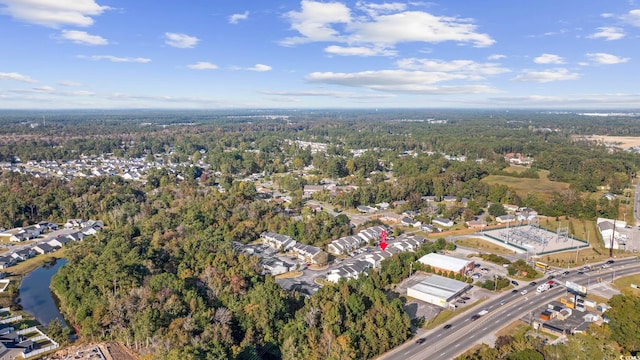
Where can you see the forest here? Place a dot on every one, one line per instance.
(162, 277)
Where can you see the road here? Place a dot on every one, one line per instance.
(444, 344)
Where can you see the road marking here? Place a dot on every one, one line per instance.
(519, 308)
(406, 352)
(508, 314)
(457, 345)
(485, 328)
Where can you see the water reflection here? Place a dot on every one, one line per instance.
(36, 297)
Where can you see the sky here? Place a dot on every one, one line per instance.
(223, 54)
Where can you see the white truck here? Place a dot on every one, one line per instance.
(542, 288)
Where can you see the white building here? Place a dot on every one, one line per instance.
(437, 290)
(447, 264)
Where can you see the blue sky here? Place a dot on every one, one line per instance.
(220, 54)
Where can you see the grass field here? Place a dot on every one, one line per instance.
(542, 187)
(483, 245)
(445, 315)
(624, 284)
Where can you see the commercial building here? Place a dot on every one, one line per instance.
(437, 290)
(447, 264)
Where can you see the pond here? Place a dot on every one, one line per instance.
(36, 297)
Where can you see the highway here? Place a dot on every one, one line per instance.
(440, 343)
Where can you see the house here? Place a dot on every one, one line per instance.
(7, 261)
(442, 222)
(60, 241)
(510, 208)
(407, 221)
(450, 198)
(383, 205)
(277, 241)
(345, 245)
(73, 223)
(23, 254)
(504, 219)
(609, 196)
(309, 254)
(348, 270)
(44, 248)
(475, 224)
(312, 189)
(366, 209)
(429, 228)
(609, 230)
(275, 266)
(372, 234)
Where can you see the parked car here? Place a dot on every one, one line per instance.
(515, 283)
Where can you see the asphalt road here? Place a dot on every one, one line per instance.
(444, 344)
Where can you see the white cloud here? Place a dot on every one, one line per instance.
(314, 21)
(372, 9)
(496, 57)
(358, 51)
(235, 18)
(260, 68)
(115, 58)
(256, 68)
(54, 13)
(317, 22)
(81, 37)
(548, 59)
(202, 65)
(606, 59)
(417, 26)
(473, 70)
(335, 94)
(633, 17)
(16, 77)
(608, 33)
(69, 83)
(545, 76)
(182, 41)
(418, 82)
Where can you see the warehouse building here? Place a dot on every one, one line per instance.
(437, 290)
(447, 264)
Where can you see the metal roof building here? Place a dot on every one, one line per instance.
(437, 290)
(447, 263)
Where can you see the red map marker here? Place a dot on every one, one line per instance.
(383, 240)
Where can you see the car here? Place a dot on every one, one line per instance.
(502, 302)
(566, 273)
(460, 301)
(606, 266)
(476, 276)
(524, 292)
(551, 277)
(533, 283)
(514, 291)
(515, 283)
(475, 317)
(465, 298)
(580, 273)
(420, 341)
(610, 262)
(448, 326)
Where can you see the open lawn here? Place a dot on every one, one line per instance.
(624, 284)
(542, 187)
(289, 275)
(514, 329)
(484, 245)
(445, 315)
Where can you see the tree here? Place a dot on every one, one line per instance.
(496, 209)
